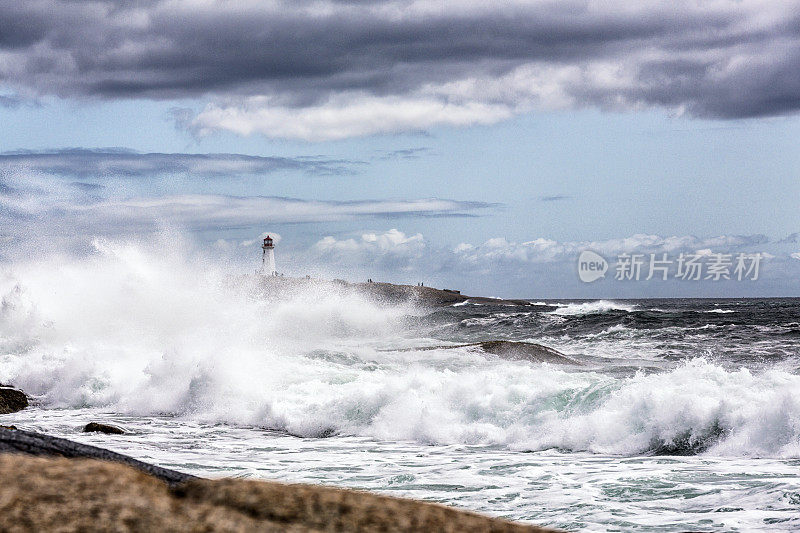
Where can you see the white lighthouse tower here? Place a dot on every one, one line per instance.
(268, 258)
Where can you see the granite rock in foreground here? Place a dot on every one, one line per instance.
(46, 494)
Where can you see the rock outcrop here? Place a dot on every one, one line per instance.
(525, 351)
(28, 442)
(58, 494)
(320, 508)
(77, 487)
(97, 427)
(12, 400)
(512, 351)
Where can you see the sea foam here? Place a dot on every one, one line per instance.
(152, 330)
(590, 308)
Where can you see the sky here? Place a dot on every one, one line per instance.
(469, 145)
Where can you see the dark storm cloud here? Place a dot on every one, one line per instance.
(713, 59)
(117, 162)
(172, 49)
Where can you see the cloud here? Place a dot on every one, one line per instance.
(346, 115)
(229, 245)
(328, 69)
(219, 211)
(497, 254)
(30, 203)
(554, 198)
(120, 162)
(543, 250)
(392, 250)
(11, 102)
(403, 153)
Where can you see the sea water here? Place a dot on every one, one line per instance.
(682, 414)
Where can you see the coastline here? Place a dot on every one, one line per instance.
(381, 292)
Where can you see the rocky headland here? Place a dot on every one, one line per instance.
(387, 293)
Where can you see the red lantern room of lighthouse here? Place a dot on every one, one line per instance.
(268, 257)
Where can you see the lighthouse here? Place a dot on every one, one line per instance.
(268, 258)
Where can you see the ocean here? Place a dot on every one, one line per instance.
(676, 415)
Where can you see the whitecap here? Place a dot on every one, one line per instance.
(590, 308)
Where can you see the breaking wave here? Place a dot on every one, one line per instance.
(143, 330)
(592, 308)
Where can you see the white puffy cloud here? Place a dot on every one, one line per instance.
(347, 115)
(392, 249)
(542, 250)
(414, 251)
